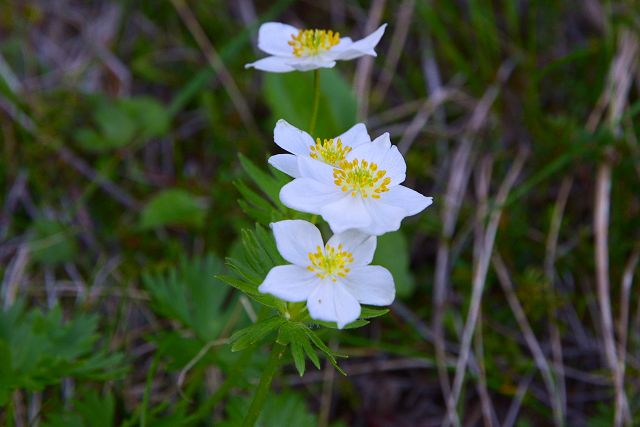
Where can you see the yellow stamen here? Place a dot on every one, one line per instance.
(330, 262)
(313, 42)
(330, 151)
(362, 178)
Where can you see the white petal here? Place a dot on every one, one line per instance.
(331, 302)
(410, 200)
(291, 138)
(274, 38)
(362, 246)
(355, 136)
(385, 155)
(361, 47)
(316, 170)
(274, 64)
(287, 163)
(384, 218)
(289, 282)
(345, 213)
(307, 63)
(308, 195)
(295, 239)
(371, 285)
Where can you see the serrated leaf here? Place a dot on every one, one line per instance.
(173, 207)
(267, 183)
(329, 354)
(192, 294)
(255, 333)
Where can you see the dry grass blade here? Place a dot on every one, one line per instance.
(362, 80)
(617, 92)
(481, 266)
(216, 63)
(532, 342)
(456, 187)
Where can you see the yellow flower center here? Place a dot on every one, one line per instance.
(330, 262)
(330, 151)
(362, 178)
(313, 42)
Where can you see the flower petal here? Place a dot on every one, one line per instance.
(274, 38)
(307, 63)
(385, 155)
(308, 195)
(345, 213)
(291, 138)
(355, 136)
(362, 246)
(371, 285)
(274, 64)
(384, 218)
(295, 239)
(316, 170)
(287, 163)
(331, 302)
(289, 283)
(403, 197)
(359, 48)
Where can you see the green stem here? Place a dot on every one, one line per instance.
(316, 101)
(265, 385)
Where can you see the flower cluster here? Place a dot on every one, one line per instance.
(351, 181)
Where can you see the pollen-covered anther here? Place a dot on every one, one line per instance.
(361, 178)
(313, 42)
(330, 262)
(330, 151)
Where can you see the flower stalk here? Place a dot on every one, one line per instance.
(316, 101)
(273, 365)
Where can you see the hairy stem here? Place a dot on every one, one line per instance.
(265, 384)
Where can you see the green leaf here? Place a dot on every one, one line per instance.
(40, 349)
(370, 312)
(255, 333)
(330, 355)
(173, 207)
(392, 253)
(116, 126)
(149, 116)
(268, 183)
(292, 333)
(52, 243)
(192, 294)
(290, 95)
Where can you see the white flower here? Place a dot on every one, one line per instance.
(331, 151)
(363, 193)
(334, 279)
(303, 50)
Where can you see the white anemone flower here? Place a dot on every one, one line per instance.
(333, 278)
(303, 50)
(298, 142)
(363, 193)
